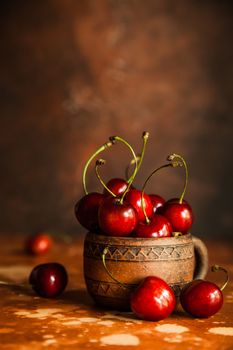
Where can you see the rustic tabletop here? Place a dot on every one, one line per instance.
(72, 321)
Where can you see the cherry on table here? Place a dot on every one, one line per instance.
(153, 299)
(201, 298)
(48, 280)
(39, 243)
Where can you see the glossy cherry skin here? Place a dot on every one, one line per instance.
(49, 280)
(39, 243)
(201, 299)
(117, 186)
(180, 215)
(153, 299)
(86, 210)
(158, 227)
(133, 196)
(116, 219)
(157, 201)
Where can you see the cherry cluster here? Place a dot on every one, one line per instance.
(123, 210)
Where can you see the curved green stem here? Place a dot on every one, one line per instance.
(216, 268)
(117, 138)
(132, 162)
(145, 137)
(99, 163)
(99, 150)
(172, 164)
(173, 157)
(103, 256)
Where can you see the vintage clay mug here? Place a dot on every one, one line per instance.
(178, 260)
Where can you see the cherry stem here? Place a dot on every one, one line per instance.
(103, 256)
(132, 162)
(117, 138)
(99, 150)
(99, 163)
(216, 268)
(172, 164)
(145, 136)
(4, 283)
(173, 157)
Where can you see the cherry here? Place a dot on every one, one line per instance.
(116, 186)
(157, 201)
(179, 212)
(202, 298)
(157, 227)
(153, 299)
(39, 243)
(86, 210)
(116, 217)
(48, 280)
(135, 198)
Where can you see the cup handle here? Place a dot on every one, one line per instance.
(201, 259)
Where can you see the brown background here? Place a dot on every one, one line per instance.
(75, 72)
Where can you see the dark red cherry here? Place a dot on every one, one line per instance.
(38, 243)
(134, 197)
(153, 299)
(157, 201)
(117, 186)
(179, 214)
(157, 227)
(201, 298)
(49, 280)
(86, 210)
(116, 218)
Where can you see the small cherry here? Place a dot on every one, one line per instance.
(86, 210)
(153, 299)
(135, 198)
(38, 243)
(157, 201)
(48, 280)
(179, 212)
(203, 298)
(117, 186)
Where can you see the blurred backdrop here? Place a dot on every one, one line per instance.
(74, 73)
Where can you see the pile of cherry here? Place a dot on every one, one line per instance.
(122, 210)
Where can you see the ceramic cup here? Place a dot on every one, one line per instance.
(177, 260)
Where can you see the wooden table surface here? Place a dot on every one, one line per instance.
(73, 321)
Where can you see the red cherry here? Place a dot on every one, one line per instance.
(117, 186)
(49, 280)
(157, 201)
(134, 197)
(153, 299)
(157, 227)
(39, 243)
(116, 218)
(86, 210)
(202, 298)
(179, 214)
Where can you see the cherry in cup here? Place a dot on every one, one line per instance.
(48, 280)
(178, 211)
(201, 298)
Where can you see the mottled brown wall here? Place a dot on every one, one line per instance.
(75, 72)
